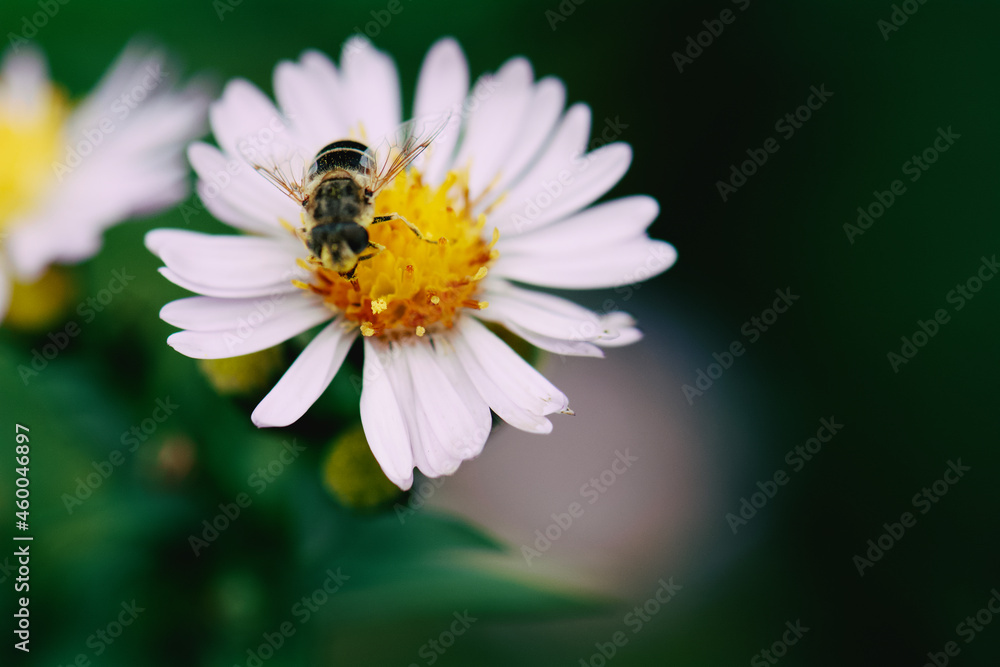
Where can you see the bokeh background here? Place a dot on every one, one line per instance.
(457, 547)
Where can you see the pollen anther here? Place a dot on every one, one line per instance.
(410, 284)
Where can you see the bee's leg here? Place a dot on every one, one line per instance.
(373, 249)
(301, 233)
(397, 216)
(349, 275)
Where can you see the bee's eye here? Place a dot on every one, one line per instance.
(356, 237)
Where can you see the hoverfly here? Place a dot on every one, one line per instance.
(338, 190)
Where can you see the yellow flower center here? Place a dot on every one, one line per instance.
(30, 140)
(414, 282)
(42, 304)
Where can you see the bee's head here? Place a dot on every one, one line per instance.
(338, 245)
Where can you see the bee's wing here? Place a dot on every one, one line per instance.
(282, 166)
(385, 160)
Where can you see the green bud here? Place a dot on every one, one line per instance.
(247, 374)
(42, 304)
(353, 476)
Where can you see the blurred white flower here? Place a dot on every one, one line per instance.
(505, 197)
(67, 174)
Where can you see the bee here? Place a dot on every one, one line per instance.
(337, 192)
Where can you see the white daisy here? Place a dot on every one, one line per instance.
(67, 174)
(507, 196)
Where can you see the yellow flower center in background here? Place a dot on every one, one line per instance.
(352, 474)
(415, 282)
(42, 304)
(30, 141)
(243, 375)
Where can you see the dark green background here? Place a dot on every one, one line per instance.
(784, 228)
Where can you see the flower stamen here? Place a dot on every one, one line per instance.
(32, 141)
(412, 285)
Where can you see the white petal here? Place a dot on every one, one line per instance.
(543, 197)
(311, 107)
(441, 86)
(249, 338)
(625, 337)
(395, 365)
(449, 432)
(229, 183)
(568, 142)
(134, 62)
(618, 320)
(372, 86)
(403, 370)
(385, 427)
(621, 328)
(508, 402)
(222, 210)
(134, 168)
(159, 125)
(324, 75)
(24, 78)
(153, 134)
(116, 181)
(227, 262)
(537, 124)
(307, 378)
(263, 291)
(446, 357)
(494, 124)
(320, 67)
(207, 313)
(244, 119)
(596, 228)
(33, 245)
(571, 348)
(69, 228)
(517, 378)
(541, 313)
(633, 262)
(339, 120)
